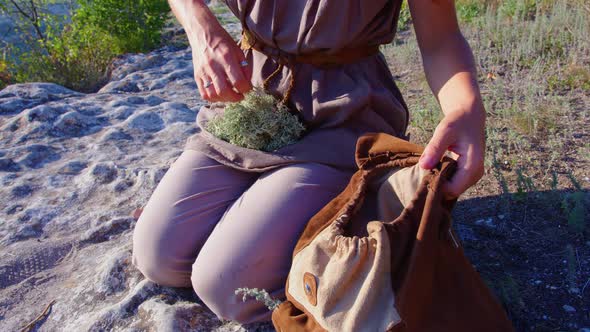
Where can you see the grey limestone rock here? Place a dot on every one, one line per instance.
(42, 113)
(8, 165)
(115, 135)
(37, 155)
(22, 190)
(19, 97)
(146, 121)
(38, 91)
(104, 172)
(73, 124)
(73, 168)
(103, 230)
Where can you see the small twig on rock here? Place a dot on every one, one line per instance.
(261, 295)
(32, 324)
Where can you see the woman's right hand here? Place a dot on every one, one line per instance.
(221, 71)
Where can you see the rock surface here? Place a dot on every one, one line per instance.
(73, 168)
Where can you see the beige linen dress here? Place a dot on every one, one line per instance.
(337, 104)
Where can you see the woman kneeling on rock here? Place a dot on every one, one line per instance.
(226, 217)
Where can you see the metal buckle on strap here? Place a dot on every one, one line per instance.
(247, 42)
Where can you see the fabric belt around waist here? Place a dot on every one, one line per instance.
(318, 59)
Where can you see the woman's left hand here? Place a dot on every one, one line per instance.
(462, 133)
(451, 73)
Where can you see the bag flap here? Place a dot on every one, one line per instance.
(371, 145)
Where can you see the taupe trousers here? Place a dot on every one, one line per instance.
(217, 229)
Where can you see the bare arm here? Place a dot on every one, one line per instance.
(450, 71)
(216, 57)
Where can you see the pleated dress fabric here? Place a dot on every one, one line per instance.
(337, 104)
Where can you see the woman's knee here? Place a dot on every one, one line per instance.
(216, 286)
(153, 258)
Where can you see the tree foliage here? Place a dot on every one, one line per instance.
(75, 49)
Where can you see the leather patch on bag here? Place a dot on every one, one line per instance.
(311, 288)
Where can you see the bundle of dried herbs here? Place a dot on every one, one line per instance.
(257, 122)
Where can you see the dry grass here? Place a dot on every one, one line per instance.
(533, 59)
(534, 71)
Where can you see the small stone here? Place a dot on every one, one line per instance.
(158, 174)
(15, 105)
(8, 165)
(22, 191)
(13, 209)
(73, 124)
(157, 84)
(102, 231)
(8, 180)
(135, 100)
(569, 308)
(115, 134)
(147, 121)
(73, 167)
(39, 155)
(117, 103)
(153, 100)
(123, 112)
(41, 113)
(104, 173)
(123, 185)
(127, 85)
(177, 112)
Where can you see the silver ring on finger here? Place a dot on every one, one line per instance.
(207, 84)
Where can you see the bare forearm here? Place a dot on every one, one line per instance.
(220, 67)
(451, 74)
(195, 17)
(450, 71)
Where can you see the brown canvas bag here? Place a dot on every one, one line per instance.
(404, 271)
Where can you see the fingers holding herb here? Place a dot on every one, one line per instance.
(217, 60)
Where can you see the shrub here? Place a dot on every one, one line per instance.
(76, 52)
(135, 25)
(5, 76)
(403, 22)
(468, 11)
(77, 58)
